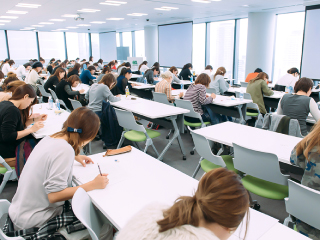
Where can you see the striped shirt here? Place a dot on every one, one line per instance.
(164, 87)
(196, 94)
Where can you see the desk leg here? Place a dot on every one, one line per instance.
(175, 135)
(242, 108)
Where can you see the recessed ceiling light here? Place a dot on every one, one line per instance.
(98, 22)
(137, 14)
(163, 9)
(57, 20)
(201, 1)
(173, 8)
(83, 25)
(245, 6)
(111, 4)
(28, 5)
(37, 25)
(72, 27)
(16, 12)
(5, 20)
(114, 19)
(88, 10)
(70, 15)
(62, 29)
(9, 17)
(46, 23)
(117, 2)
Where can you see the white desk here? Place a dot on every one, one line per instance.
(277, 94)
(53, 123)
(253, 138)
(154, 111)
(136, 76)
(80, 87)
(142, 85)
(280, 232)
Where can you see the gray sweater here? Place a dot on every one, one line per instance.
(219, 84)
(96, 94)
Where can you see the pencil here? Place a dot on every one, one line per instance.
(99, 169)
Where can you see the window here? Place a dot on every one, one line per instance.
(139, 42)
(3, 46)
(222, 45)
(288, 46)
(22, 46)
(118, 39)
(95, 46)
(242, 49)
(199, 47)
(52, 45)
(77, 45)
(127, 41)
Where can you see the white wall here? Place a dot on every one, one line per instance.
(151, 44)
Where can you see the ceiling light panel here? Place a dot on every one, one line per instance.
(201, 1)
(162, 9)
(114, 19)
(83, 25)
(46, 23)
(16, 12)
(98, 22)
(72, 27)
(5, 21)
(28, 5)
(88, 10)
(137, 14)
(57, 20)
(9, 17)
(37, 25)
(110, 4)
(70, 15)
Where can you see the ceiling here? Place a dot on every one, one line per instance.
(188, 10)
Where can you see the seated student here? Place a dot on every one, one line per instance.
(290, 78)
(219, 84)
(86, 76)
(115, 65)
(165, 86)
(143, 67)
(11, 77)
(62, 65)
(123, 65)
(208, 70)
(71, 64)
(91, 60)
(299, 105)
(196, 94)
(14, 118)
(100, 64)
(101, 91)
(74, 70)
(54, 80)
(48, 175)
(105, 71)
(22, 71)
(33, 76)
(214, 212)
(258, 87)
(52, 66)
(3, 63)
(9, 89)
(122, 82)
(253, 75)
(8, 67)
(96, 65)
(156, 64)
(185, 73)
(111, 65)
(150, 75)
(120, 67)
(64, 90)
(175, 77)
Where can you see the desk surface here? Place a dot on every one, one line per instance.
(53, 123)
(80, 87)
(136, 76)
(142, 85)
(253, 138)
(148, 108)
(277, 94)
(280, 232)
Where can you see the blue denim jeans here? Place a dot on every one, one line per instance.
(209, 116)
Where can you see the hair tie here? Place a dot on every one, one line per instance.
(70, 129)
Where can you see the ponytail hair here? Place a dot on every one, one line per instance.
(220, 71)
(220, 198)
(261, 75)
(293, 70)
(78, 120)
(143, 63)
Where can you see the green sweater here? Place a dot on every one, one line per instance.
(257, 89)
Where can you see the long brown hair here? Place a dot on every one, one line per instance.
(75, 67)
(19, 93)
(73, 78)
(12, 86)
(110, 64)
(143, 63)
(173, 69)
(220, 71)
(108, 79)
(78, 119)
(261, 75)
(203, 79)
(121, 65)
(106, 69)
(308, 142)
(220, 198)
(8, 80)
(57, 73)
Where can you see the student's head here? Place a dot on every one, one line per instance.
(174, 70)
(11, 77)
(72, 62)
(167, 76)
(111, 64)
(59, 61)
(294, 72)
(143, 63)
(127, 65)
(100, 61)
(126, 72)
(90, 59)
(77, 129)
(37, 66)
(92, 69)
(106, 69)
(220, 200)
(203, 79)
(187, 66)
(220, 71)
(156, 64)
(42, 60)
(6, 60)
(155, 70)
(74, 80)
(83, 60)
(96, 66)
(60, 73)
(56, 63)
(12, 86)
(11, 62)
(209, 67)
(63, 65)
(52, 60)
(260, 76)
(258, 70)
(1, 75)
(116, 62)
(76, 67)
(304, 84)
(121, 65)
(77, 59)
(27, 66)
(109, 80)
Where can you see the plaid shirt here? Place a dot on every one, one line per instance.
(164, 87)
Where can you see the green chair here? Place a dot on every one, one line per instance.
(208, 160)
(135, 132)
(8, 172)
(262, 173)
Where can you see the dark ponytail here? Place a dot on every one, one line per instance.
(143, 63)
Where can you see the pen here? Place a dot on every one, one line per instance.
(99, 170)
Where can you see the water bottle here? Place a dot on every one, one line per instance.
(58, 104)
(127, 91)
(191, 79)
(50, 102)
(241, 96)
(287, 89)
(145, 81)
(182, 86)
(290, 89)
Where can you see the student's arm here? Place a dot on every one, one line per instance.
(88, 73)
(68, 89)
(223, 85)
(266, 90)
(176, 79)
(109, 96)
(203, 99)
(314, 110)
(169, 93)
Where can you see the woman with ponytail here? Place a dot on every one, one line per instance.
(48, 174)
(9, 89)
(218, 83)
(214, 212)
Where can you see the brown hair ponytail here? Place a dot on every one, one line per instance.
(261, 75)
(220, 198)
(220, 71)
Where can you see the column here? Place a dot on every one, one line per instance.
(151, 44)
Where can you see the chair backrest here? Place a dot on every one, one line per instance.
(258, 164)
(244, 84)
(303, 203)
(279, 88)
(211, 90)
(41, 81)
(54, 95)
(75, 104)
(127, 121)
(245, 95)
(43, 91)
(187, 105)
(204, 150)
(161, 98)
(85, 212)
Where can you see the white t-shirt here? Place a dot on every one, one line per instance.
(144, 68)
(48, 170)
(32, 78)
(210, 73)
(21, 72)
(6, 68)
(287, 80)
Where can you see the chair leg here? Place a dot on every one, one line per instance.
(6, 177)
(168, 136)
(136, 145)
(220, 150)
(121, 140)
(154, 149)
(287, 221)
(197, 168)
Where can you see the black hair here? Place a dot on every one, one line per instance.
(128, 64)
(258, 70)
(293, 70)
(26, 65)
(188, 65)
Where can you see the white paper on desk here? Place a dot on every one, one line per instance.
(259, 224)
